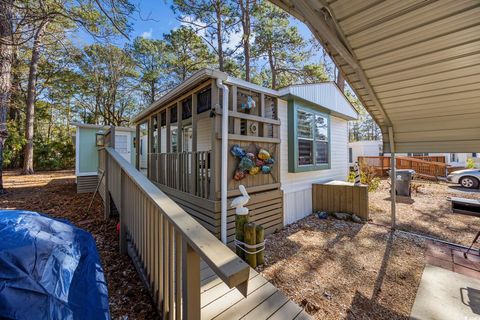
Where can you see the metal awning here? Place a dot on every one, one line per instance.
(415, 65)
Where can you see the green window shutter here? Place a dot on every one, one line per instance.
(308, 137)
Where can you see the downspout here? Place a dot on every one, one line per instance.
(224, 180)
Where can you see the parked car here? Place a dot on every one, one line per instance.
(468, 178)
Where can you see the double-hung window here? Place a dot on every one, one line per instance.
(309, 143)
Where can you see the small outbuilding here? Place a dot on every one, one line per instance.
(88, 138)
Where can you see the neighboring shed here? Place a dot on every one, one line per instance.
(86, 152)
(362, 149)
(313, 102)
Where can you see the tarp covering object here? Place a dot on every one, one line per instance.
(49, 269)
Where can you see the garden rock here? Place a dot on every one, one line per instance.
(322, 215)
(356, 219)
(342, 216)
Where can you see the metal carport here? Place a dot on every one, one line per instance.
(415, 66)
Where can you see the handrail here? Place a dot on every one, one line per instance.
(224, 262)
(180, 232)
(422, 167)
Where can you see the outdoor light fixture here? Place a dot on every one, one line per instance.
(100, 139)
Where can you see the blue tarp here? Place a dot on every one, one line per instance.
(49, 269)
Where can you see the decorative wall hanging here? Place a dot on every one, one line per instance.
(249, 105)
(253, 128)
(251, 163)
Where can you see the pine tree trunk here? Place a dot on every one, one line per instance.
(340, 80)
(272, 69)
(6, 56)
(152, 92)
(246, 25)
(218, 9)
(31, 95)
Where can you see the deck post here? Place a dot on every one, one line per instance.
(107, 200)
(137, 147)
(393, 180)
(191, 282)
(193, 161)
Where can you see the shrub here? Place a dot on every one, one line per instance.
(470, 163)
(368, 176)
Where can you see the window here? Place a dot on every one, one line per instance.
(350, 155)
(309, 145)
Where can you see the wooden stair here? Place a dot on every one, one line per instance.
(263, 300)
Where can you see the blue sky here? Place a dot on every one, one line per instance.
(153, 18)
(162, 19)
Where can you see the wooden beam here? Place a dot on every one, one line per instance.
(179, 127)
(193, 161)
(169, 134)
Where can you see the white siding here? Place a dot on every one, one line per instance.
(324, 94)
(364, 148)
(204, 134)
(297, 187)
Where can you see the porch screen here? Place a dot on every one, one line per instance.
(204, 100)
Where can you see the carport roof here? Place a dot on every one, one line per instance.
(415, 65)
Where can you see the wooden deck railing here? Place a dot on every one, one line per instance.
(421, 167)
(167, 241)
(186, 171)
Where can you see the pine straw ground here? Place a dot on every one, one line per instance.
(55, 193)
(344, 270)
(334, 269)
(428, 211)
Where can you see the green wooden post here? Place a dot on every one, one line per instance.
(240, 221)
(260, 237)
(250, 239)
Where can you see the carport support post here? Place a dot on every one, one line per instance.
(393, 174)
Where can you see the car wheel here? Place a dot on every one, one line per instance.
(469, 182)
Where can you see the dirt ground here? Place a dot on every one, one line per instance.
(54, 193)
(427, 212)
(343, 270)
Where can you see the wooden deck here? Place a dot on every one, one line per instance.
(263, 301)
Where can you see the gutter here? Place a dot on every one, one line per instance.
(224, 173)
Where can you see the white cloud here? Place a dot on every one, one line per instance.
(147, 34)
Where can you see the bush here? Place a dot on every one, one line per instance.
(368, 176)
(54, 154)
(470, 163)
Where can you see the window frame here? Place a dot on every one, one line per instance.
(294, 105)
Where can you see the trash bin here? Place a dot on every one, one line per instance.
(404, 179)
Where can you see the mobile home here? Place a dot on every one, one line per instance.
(274, 142)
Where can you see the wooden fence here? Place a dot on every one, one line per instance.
(166, 242)
(338, 196)
(422, 167)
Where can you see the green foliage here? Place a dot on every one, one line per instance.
(470, 163)
(55, 154)
(365, 128)
(12, 152)
(367, 177)
(280, 45)
(186, 53)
